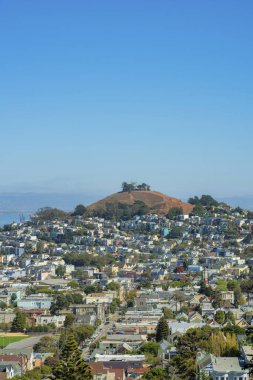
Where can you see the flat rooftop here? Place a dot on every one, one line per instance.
(221, 364)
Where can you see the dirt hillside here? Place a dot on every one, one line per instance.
(157, 202)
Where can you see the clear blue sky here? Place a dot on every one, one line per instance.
(96, 92)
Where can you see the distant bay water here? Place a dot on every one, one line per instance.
(18, 206)
(10, 217)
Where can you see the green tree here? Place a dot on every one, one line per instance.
(133, 186)
(75, 298)
(3, 305)
(187, 346)
(174, 212)
(223, 345)
(115, 303)
(246, 285)
(117, 210)
(239, 299)
(90, 289)
(46, 344)
(156, 374)
(40, 246)
(176, 232)
(13, 297)
(217, 302)
(149, 348)
(80, 210)
(230, 317)
(48, 213)
(71, 365)
(18, 323)
(194, 201)
(162, 329)
(69, 320)
(204, 200)
(207, 200)
(198, 210)
(36, 374)
(205, 376)
(167, 313)
(83, 332)
(73, 284)
(219, 316)
(179, 297)
(129, 297)
(234, 285)
(60, 302)
(60, 271)
(112, 286)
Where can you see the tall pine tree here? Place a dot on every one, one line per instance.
(71, 365)
(18, 323)
(162, 329)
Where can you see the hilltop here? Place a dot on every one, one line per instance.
(155, 201)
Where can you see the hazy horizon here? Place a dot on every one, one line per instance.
(30, 202)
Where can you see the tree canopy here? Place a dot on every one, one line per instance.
(80, 210)
(174, 212)
(162, 329)
(63, 301)
(121, 211)
(198, 210)
(60, 271)
(156, 374)
(84, 259)
(133, 186)
(49, 213)
(71, 365)
(46, 344)
(19, 322)
(175, 232)
(206, 339)
(204, 200)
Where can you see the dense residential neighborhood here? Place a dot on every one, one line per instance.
(126, 204)
(150, 297)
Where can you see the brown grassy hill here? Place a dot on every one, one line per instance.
(157, 202)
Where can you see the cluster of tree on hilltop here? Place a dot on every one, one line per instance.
(121, 211)
(133, 186)
(204, 200)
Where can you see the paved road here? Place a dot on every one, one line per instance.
(101, 331)
(26, 343)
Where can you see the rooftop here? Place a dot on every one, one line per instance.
(226, 364)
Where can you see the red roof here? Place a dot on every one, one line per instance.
(33, 311)
(138, 370)
(98, 367)
(11, 358)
